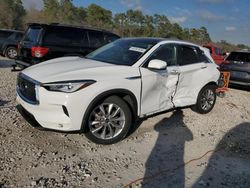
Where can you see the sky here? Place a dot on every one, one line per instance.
(225, 19)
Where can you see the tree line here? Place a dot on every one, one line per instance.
(132, 23)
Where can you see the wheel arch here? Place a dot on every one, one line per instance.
(124, 94)
(9, 45)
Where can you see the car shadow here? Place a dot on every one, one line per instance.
(229, 166)
(6, 63)
(168, 153)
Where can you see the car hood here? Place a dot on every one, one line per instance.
(76, 68)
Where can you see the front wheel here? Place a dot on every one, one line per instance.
(206, 100)
(109, 121)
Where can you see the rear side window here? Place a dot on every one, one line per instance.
(32, 34)
(63, 36)
(203, 57)
(96, 39)
(5, 34)
(188, 55)
(18, 36)
(239, 56)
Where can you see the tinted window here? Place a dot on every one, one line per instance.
(239, 56)
(203, 57)
(110, 37)
(63, 36)
(121, 52)
(165, 53)
(187, 55)
(5, 34)
(18, 36)
(32, 34)
(96, 39)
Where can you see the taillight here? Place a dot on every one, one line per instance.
(37, 51)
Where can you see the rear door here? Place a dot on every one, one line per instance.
(158, 86)
(194, 72)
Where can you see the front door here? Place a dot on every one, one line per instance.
(158, 86)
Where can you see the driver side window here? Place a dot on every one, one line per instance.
(166, 52)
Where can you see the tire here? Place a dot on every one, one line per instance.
(11, 52)
(108, 121)
(206, 100)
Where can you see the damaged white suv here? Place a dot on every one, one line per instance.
(107, 90)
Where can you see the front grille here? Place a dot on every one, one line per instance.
(26, 89)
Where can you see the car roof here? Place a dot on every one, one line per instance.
(11, 30)
(156, 40)
(70, 26)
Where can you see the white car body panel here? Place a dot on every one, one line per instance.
(158, 88)
(154, 91)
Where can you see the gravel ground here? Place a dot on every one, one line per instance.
(155, 152)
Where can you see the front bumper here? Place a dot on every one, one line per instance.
(57, 111)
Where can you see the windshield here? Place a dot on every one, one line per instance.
(122, 52)
(32, 34)
(239, 56)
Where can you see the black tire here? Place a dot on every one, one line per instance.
(11, 52)
(93, 116)
(199, 107)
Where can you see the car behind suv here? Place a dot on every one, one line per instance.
(9, 40)
(238, 64)
(105, 92)
(43, 42)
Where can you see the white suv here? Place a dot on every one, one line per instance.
(107, 90)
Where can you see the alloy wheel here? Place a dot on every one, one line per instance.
(106, 121)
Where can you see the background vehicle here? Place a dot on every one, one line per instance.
(216, 53)
(238, 64)
(43, 42)
(9, 40)
(107, 90)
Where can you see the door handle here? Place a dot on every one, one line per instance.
(174, 72)
(203, 67)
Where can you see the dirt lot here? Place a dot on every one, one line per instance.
(156, 151)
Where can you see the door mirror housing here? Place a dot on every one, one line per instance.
(157, 64)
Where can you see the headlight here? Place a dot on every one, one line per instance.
(68, 86)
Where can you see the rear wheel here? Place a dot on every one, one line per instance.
(11, 52)
(109, 121)
(206, 100)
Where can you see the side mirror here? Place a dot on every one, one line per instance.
(157, 64)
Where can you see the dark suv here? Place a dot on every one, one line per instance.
(9, 40)
(47, 41)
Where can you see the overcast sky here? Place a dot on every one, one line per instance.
(225, 19)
